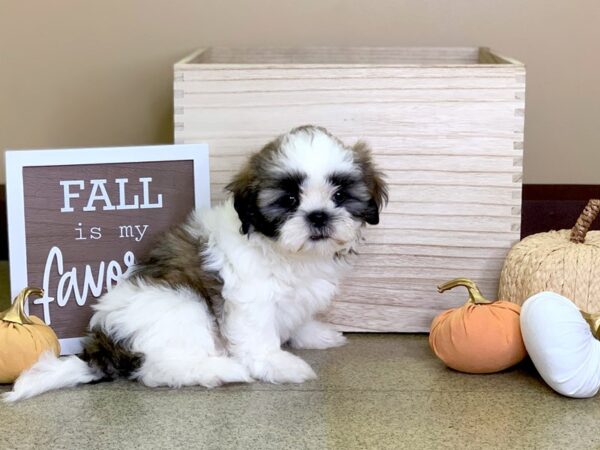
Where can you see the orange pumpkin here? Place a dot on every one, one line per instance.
(23, 338)
(479, 337)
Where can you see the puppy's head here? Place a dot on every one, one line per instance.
(309, 192)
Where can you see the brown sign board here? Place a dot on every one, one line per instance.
(79, 219)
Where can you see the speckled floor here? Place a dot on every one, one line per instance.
(380, 391)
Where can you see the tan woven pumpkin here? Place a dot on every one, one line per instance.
(566, 262)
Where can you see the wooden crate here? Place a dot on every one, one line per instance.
(446, 125)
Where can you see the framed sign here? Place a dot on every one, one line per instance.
(78, 219)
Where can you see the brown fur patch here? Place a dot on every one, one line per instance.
(374, 178)
(246, 185)
(114, 359)
(177, 261)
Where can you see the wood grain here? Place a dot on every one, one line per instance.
(446, 125)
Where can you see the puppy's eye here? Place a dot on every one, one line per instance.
(289, 200)
(339, 197)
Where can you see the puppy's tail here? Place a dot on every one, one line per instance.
(50, 373)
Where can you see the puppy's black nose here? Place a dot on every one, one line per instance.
(318, 219)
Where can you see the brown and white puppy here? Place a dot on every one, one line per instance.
(218, 296)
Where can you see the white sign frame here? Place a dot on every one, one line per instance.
(16, 160)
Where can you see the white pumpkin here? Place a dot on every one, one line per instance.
(560, 342)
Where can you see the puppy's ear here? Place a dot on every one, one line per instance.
(246, 186)
(374, 179)
(243, 188)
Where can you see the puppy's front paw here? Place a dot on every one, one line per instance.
(281, 367)
(317, 335)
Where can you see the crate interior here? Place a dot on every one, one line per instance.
(349, 55)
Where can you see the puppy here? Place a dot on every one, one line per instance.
(215, 300)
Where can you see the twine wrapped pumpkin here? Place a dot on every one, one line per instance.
(566, 262)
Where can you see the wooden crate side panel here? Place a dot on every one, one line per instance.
(379, 318)
(412, 119)
(464, 164)
(449, 139)
(383, 144)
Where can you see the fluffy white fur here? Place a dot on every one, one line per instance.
(174, 331)
(48, 373)
(272, 291)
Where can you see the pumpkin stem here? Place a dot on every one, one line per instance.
(475, 296)
(584, 221)
(16, 313)
(593, 321)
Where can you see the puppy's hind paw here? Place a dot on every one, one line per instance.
(317, 335)
(282, 367)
